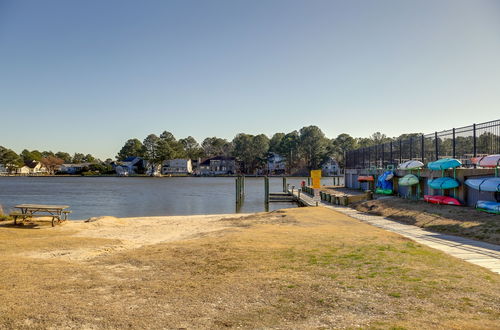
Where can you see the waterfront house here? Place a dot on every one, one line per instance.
(32, 168)
(330, 167)
(74, 168)
(276, 164)
(3, 170)
(129, 166)
(177, 166)
(219, 165)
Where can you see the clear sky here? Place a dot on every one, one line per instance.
(84, 76)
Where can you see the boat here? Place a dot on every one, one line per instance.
(443, 183)
(491, 184)
(444, 164)
(365, 178)
(488, 206)
(487, 161)
(445, 200)
(408, 180)
(411, 165)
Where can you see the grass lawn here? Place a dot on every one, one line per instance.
(299, 268)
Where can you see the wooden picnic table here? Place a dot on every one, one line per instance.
(30, 211)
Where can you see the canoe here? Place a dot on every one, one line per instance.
(410, 165)
(487, 161)
(491, 184)
(487, 206)
(365, 178)
(408, 180)
(443, 183)
(446, 200)
(383, 191)
(444, 164)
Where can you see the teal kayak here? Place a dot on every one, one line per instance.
(408, 180)
(443, 183)
(383, 191)
(444, 164)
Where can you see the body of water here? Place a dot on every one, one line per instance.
(141, 196)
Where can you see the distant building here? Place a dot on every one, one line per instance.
(32, 168)
(130, 166)
(276, 164)
(3, 170)
(74, 168)
(177, 166)
(331, 167)
(219, 165)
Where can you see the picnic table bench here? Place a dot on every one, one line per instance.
(27, 212)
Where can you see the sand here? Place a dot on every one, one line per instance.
(132, 233)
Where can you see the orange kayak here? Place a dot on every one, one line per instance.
(365, 178)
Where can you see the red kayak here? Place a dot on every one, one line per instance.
(487, 161)
(365, 178)
(441, 200)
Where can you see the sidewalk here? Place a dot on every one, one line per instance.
(479, 253)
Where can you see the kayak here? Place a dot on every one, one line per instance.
(485, 184)
(444, 164)
(487, 161)
(441, 200)
(383, 191)
(487, 206)
(408, 180)
(365, 178)
(443, 183)
(410, 165)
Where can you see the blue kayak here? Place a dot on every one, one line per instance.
(443, 183)
(487, 206)
(485, 184)
(444, 164)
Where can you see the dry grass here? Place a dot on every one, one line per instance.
(300, 268)
(461, 221)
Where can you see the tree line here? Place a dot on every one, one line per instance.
(12, 161)
(302, 150)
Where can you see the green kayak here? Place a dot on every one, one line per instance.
(408, 180)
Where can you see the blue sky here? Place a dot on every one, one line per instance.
(84, 76)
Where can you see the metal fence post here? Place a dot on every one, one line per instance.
(422, 143)
(392, 157)
(400, 152)
(454, 150)
(436, 145)
(474, 139)
(411, 148)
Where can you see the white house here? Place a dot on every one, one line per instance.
(32, 168)
(276, 164)
(177, 166)
(331, 167)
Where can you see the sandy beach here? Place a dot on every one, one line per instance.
(295, 268)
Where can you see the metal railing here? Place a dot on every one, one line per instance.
(461, 143)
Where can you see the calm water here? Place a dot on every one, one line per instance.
(131, 197)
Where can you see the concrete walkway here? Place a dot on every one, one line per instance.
(479, 253)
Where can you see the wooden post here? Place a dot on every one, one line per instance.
(242, 186)
(237, 181)
(308, 181)
(284, 184)
(266, 189)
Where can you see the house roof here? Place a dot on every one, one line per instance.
(207, 161)
(31, 164)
